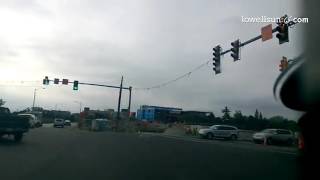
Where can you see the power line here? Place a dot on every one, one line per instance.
(185, 75)
(20, 83)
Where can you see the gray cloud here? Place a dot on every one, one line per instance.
(150, 42)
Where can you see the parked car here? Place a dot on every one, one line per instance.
(220, 131)
(33, 120)
(67, 123)
(272, 136)
(58, 123)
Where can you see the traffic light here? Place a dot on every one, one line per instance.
(65, 81)
(283, 31)
(217, 59)
(45, 81)
(283, 63)
(75, 85)
(235, 50)
(56, 81)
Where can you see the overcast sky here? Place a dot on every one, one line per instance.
(148, 42)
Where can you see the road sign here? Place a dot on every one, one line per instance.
(266, 32)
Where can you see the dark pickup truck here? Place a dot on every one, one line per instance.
(12, 124)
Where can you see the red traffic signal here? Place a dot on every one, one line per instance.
(65, 81)
(283, 63)
(56, 81)
(235, 50)
(283, 30)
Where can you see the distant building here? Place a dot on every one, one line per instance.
(124, 110)
(110, 110)
(157, 113)
(98, 114)
(56, 114)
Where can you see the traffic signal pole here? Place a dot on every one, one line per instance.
(119, 101)
(101, 85)
(129, 107)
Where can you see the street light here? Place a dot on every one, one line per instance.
(34, 97)
(80, 104)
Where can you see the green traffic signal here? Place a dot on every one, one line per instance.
(46, 81)
(75, 85)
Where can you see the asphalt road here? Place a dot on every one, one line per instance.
(69, 153)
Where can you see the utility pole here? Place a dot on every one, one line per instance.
(80, 105)
(34, 98)
(119, 101)
(129, 107)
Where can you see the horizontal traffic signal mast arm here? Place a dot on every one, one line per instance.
(102, 85)
(291, 23)
(93, 84)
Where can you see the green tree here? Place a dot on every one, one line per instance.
(2, 102)
(239, 119)
(278, 122)
(256, 114)
(260, 116)
(226, 113)
(238, 115)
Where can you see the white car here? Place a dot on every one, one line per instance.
(33, 120)
(67, 123)
(220, 131)
(271, 136)
(58, 123)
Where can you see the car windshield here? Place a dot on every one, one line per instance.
(214, 127)
(154, 89)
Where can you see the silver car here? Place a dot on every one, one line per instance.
(58, 123)
(220, 131)
(272, 136)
